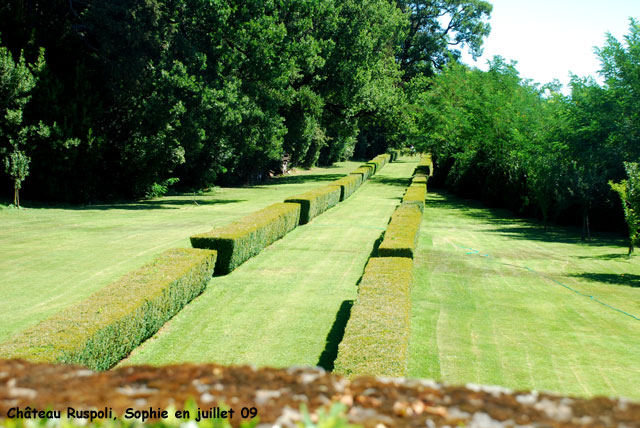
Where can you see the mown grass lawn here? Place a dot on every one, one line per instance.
(289, 304)
(52, 257)
(491, 304)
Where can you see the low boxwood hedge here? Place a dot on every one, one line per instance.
(420, 179)
(348, 185)
(386, 157)
(376, 337)
(375, 164)
(316, 201)
(104, 328)
(363, 171)
(239, 241)
(378, 162)
(401, 236)
(425, 166)
(415, 194)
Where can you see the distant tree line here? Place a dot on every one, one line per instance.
(113, 99)
(118, 99)
(514, 143)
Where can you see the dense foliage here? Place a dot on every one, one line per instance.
(514, 143)
(133, 94)
(116, 99)
(629, 192)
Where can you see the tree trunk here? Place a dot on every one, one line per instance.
(16, 197)
(630, 247)
(586, 232)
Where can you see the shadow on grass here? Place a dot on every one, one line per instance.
(376, 245)
(615, 256)
(627, 280)
(402, 182)
(507, 224)
(330, 352)
(159, 204)
(299, 179)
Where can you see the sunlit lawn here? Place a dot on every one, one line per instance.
(51, 257)
(289, 304)
(491, 304)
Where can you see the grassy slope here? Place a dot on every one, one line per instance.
(485, 318)
(51, 257)
(279, 308)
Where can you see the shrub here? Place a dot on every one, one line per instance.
(365, 171)
(316, 201)
(376, 165)
(102, 329)
(239, 241)
(401, 237)
(377, 335)
(393, 155)
(158, 190)
(425, 166)
(378, 162)
(415, 194)
(348, 185)
(386, 157)
(420, 179)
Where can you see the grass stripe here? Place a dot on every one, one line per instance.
(498, 323)
(279, 307)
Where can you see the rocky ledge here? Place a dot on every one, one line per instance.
(277, 396)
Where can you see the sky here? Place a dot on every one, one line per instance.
(549, 39)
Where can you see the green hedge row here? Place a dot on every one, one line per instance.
(348, 185)
(425, 166)
(364, 171)
(378, 162)
(243, 239)
(316, 201)
(394, 155)
(420, 179)
(101, 330)
(376, 337)
(415, 194)
(401, 236)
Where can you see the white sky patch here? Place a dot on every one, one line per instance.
(551, 39)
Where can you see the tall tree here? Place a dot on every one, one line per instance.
(629, 192)
(17, 80)
(437, 31)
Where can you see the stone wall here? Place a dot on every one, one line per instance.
(278, 394)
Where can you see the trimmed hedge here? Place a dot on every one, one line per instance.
(104, 328)
(376, 337)
(316, 201)
(420, 179)
(348, 185)
(394, 155)
(365, 171)
(243, 239)
(401, 236)
(378, 162)
(415, 194)
(425, 166)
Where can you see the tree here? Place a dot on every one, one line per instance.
(17, 79)
(17, 166)
(437, 30)
(620, 67)
(629, 192)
